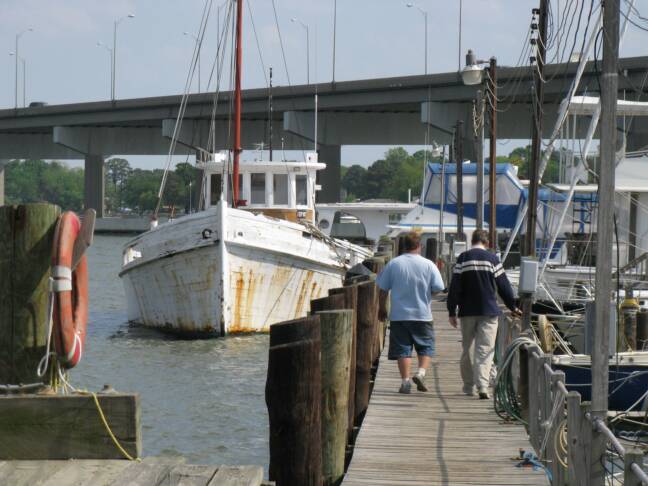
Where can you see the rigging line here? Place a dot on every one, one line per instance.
(256, 38)
(183, 102)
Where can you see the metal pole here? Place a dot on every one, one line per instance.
(459, 53)
(16, 76)
(425, 14)
(114, 61)
(307, 56)
(334, 35)
(459, 161)
(479, 149)
(601, 351)
(24, 66)
(442, 203)
(198, 67)
(237, 102)
(270, 116)
(492, 223)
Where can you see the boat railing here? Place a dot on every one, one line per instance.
(562, 427)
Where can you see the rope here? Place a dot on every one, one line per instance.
(110, 432)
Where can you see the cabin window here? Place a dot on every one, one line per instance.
(280, 188)
(394, 218)
(257, 188)
(215, 188)
(301, 189)
(433, 194)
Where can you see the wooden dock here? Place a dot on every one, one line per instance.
(152, 471)
(441, 437)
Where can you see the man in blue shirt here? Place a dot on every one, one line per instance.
(412, 280)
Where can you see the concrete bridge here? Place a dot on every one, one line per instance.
(388, 111)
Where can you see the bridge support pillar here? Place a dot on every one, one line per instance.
(2, 181)
(329, 178)
(94, 190)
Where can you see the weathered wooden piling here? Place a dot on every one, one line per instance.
(367, 318)
(293, 397)
(27, 233)
(331, 302)
(431, 249)
(336, 334)
(350, 293)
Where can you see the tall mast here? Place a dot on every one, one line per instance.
(270, 115)
(236, 149)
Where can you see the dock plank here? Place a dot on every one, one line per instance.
(441, 437)
(238, 476)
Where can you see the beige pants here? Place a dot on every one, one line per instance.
(480, 331)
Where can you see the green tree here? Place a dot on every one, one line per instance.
(354, 180)
(117, 172)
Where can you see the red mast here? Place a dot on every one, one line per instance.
(237, 103)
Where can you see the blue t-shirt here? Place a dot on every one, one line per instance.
(412, 280)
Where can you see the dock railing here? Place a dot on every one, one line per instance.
(561, 426)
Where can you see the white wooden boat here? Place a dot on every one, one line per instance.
(227, 270)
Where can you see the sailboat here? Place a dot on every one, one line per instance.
(251, 258)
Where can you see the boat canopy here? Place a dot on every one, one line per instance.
(264, 184)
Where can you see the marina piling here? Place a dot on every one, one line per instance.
(367, 319)
(331, 302)
(25, 259)
(293, 396)
(350, 293)
(336, 334)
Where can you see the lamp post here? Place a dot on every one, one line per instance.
(425, 17)
(305, 26)
(472, 74)
(114, 53)
(197, 47)
(18, 36)
(110, 52)
(24, 76)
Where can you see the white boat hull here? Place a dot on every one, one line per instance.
(183, 277)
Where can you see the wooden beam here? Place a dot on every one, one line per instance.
(68, 427)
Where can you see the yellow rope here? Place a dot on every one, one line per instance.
(110, 432)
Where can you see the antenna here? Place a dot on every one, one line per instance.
(270, 115)
(315, 137)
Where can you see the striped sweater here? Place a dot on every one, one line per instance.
(477, 277)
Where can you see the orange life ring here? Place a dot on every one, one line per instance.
(70, 287)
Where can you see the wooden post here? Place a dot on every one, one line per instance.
(546, 397)
(523, 385)
(558, 472)
(576, 471)
(367, 316)
(375, 264)
(26, 238)
(533, 400)
(632, 455)
(293, 396)
(350, 293)
(336, 356)
(295, 330)
(331, 302)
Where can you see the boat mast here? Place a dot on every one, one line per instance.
(236, 149)
(270, 115)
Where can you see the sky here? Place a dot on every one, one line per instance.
(375, 38)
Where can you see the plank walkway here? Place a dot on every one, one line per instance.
(441, 437)
(151, 471)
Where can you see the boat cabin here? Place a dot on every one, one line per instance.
(280, 189)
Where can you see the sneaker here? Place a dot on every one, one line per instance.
(420, 382)
(469, 390)
(483, 394)
(405, 388)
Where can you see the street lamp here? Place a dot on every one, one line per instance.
(24, 69)
(425, 17)
(198, 47)
(305, 26)
(18, 36)
(110, 52)
(473, 74)
(114, 53)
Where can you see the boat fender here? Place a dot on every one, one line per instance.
(70, 292)
(206, 233)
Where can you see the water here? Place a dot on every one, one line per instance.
(202, 399)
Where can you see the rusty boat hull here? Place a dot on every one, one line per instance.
(226, 270)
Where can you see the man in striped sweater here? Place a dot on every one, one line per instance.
(477, 278)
